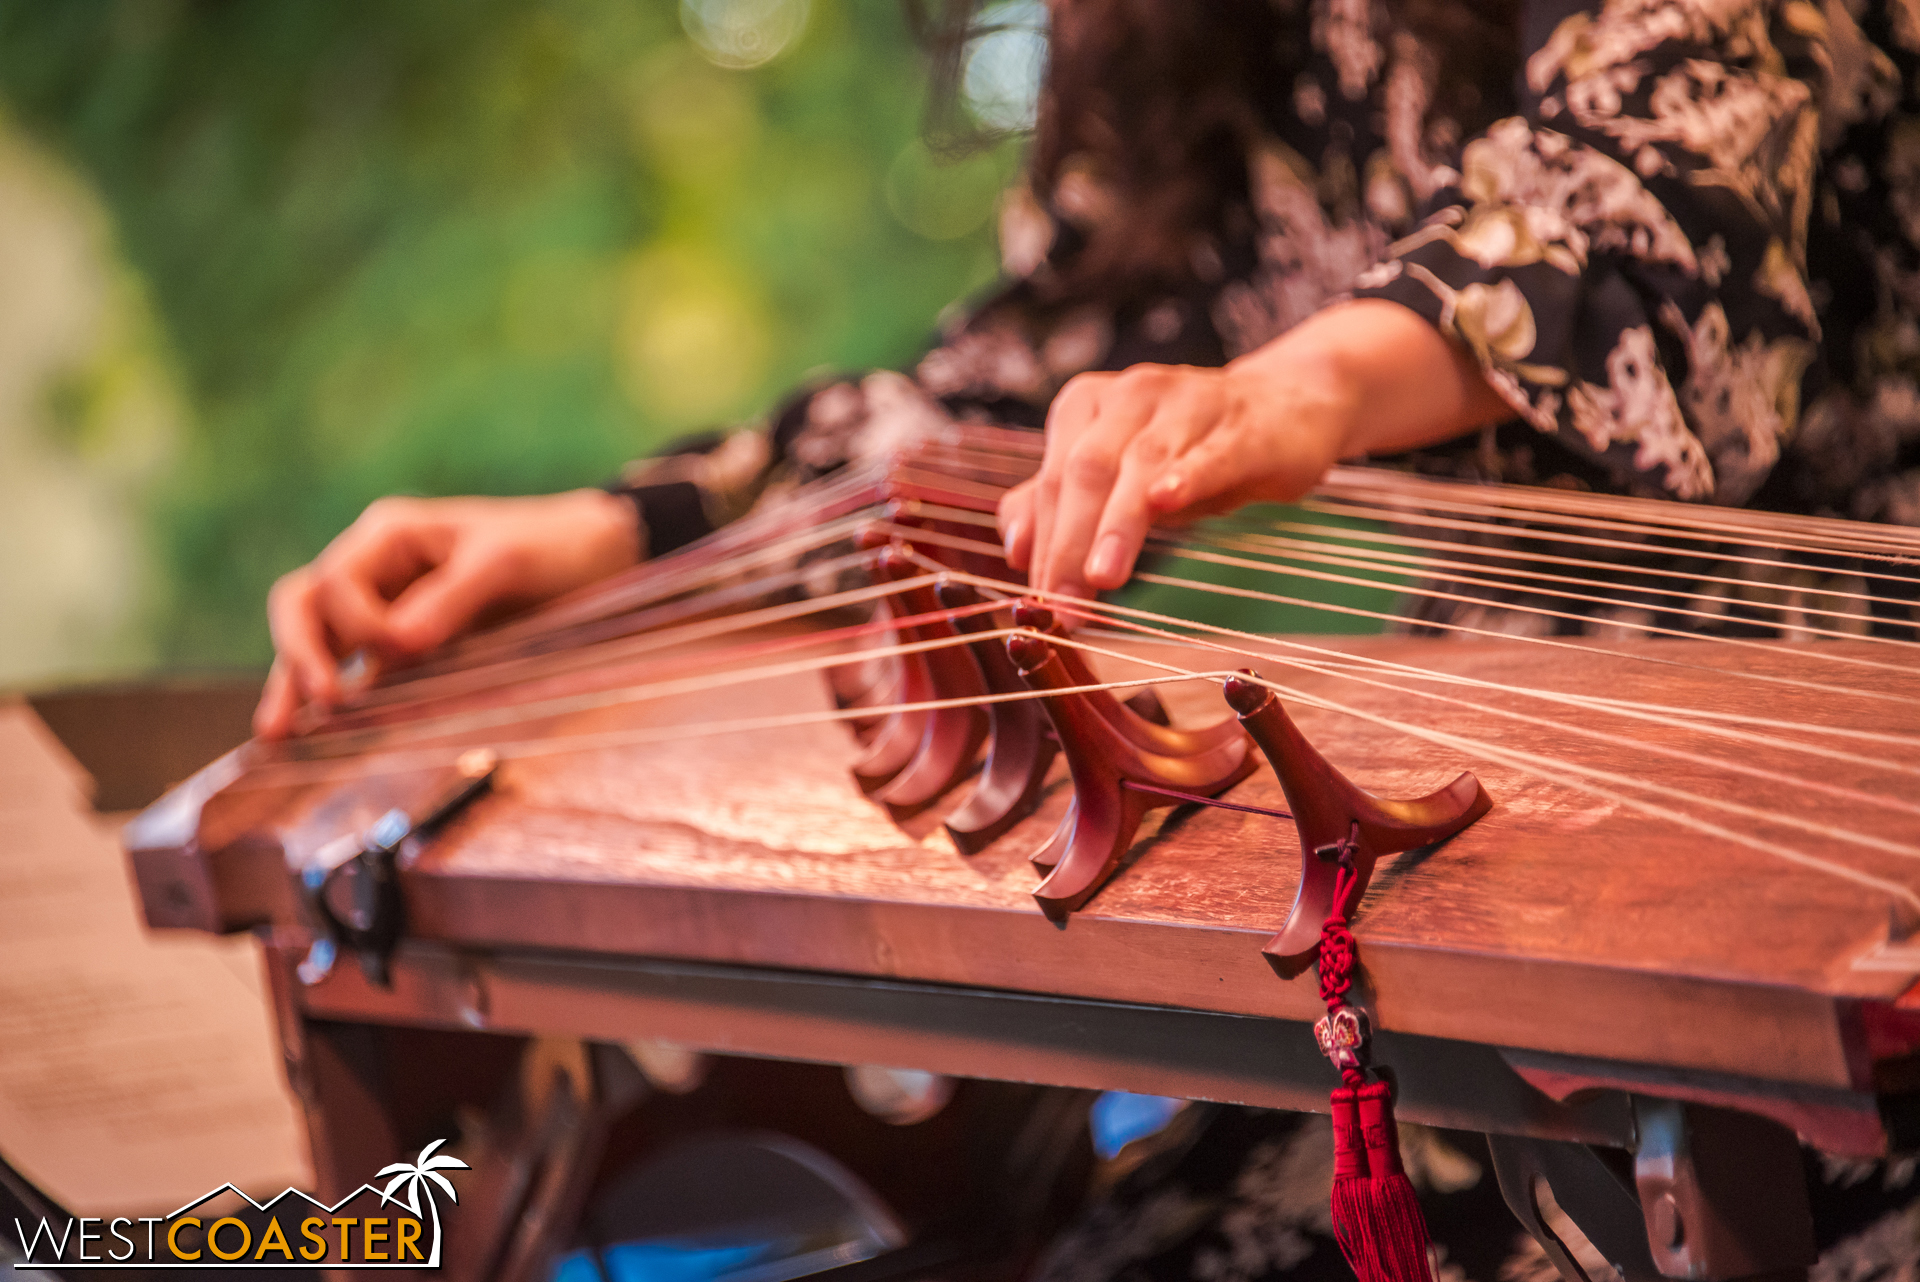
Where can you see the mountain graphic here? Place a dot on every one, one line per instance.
(403, 1191)
(288, 1192)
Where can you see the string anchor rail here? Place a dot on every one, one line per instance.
(1338, 822)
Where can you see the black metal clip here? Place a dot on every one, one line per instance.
(372, 918)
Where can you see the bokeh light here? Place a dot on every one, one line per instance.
(698, 125)
(944, 199)
(1001, 80)
(499, 249)
(693, 342)
(743, 33)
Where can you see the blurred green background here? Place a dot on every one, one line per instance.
(260, 264)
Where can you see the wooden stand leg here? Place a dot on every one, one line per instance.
(1596, 1193)
(1711, 1194)
(1723, 1192)
(335, 1072)
(543, 1152)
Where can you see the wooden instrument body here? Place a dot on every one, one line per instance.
(1625, 953)
(1565, 941)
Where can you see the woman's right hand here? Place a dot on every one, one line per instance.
(411, 574)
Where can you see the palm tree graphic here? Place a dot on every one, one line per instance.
(415, 1175)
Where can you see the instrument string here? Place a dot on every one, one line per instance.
(1337, 554)
(1521, 760)
(300, 772)
(757, 546)
(1218, 589)
(1488, 521)
(1772, 530)
(1675, 718)
(1078, 606)
(1467, 629)
(1415, 565)
(715, 568)
(664, 630)
(1593, 783)
(1546, 767)
(1586, 779)
(740, 622)
(1439, 594)
(615, 604)
(1421, 590)
(335, 742)
(1613, 740)
(1337, 538)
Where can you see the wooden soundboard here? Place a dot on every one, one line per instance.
(738, 893)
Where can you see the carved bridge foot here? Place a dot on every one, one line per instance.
(1022, 743)
(905, 771)
(1335, 817)
(1104, 759)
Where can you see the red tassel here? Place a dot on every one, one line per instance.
(1376, 1217)
(1349, 1183)
(1396, 1229)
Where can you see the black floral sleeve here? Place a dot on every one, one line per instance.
(1627, 257)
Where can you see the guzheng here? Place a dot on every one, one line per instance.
(1625, 823)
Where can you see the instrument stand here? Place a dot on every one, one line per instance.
(1711, 1193)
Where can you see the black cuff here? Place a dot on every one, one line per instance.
(671, 515)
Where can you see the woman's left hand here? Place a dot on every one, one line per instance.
(1157, 443)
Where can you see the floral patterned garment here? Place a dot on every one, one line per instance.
(1688, 262)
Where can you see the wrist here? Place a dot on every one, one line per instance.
(1307, 384)
(608, 526)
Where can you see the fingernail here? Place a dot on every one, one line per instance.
(1167, 488)
(1011, 537)
(1104, 565)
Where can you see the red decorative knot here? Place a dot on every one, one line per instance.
(1343, 1032)
(1337, 956)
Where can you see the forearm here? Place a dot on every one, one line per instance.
(1397, 382)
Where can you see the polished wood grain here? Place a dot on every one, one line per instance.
(1564, 922)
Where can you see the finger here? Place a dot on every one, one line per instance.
(273, 715)
(1231, 466)
(1073, 413)
(300, 639)
(351, 611)
(446, 600)
(1127, 514)
(1087, 481)
(1046, 497)
(1015, 518)
(394, 542)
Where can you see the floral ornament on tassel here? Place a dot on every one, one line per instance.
(1376, 1216)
